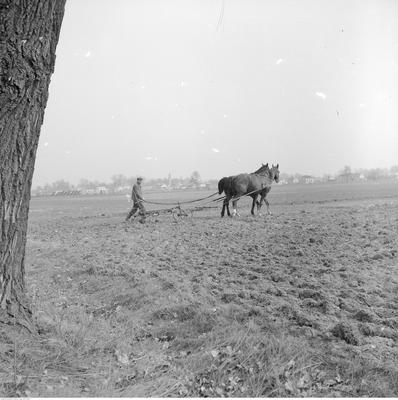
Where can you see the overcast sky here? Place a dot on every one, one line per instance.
(173, 86)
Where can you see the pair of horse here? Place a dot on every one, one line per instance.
(256, 184)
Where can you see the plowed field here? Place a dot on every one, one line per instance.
(300, 303)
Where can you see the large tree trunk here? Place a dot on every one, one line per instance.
(29, 31)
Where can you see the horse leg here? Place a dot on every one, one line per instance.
(225, 205)
(259, 205)
(234, 209)
(254, 197)
(268, 210)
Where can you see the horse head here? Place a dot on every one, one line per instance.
(274, 172)
(264, 168)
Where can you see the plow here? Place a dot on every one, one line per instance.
(182, 209)
(178, 211)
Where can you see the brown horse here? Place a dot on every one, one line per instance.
(226, 185)
(254, 184)
(274, 176)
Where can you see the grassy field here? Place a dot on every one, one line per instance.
(300, 303)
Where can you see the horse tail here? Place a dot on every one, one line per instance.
(221, 185)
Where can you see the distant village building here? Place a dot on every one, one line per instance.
(350, 177)
(101, 190)
(308, 179)
(75, 192)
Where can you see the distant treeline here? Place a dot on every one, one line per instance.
(122, 184)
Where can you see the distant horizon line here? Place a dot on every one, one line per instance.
(335, 174)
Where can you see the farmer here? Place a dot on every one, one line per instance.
(136, 197)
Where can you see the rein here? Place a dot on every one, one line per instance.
(179, 202)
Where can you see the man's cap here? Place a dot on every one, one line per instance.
(139, 178)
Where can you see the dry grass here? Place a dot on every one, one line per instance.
(191, 355)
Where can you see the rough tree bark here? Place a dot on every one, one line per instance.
(29, 31)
